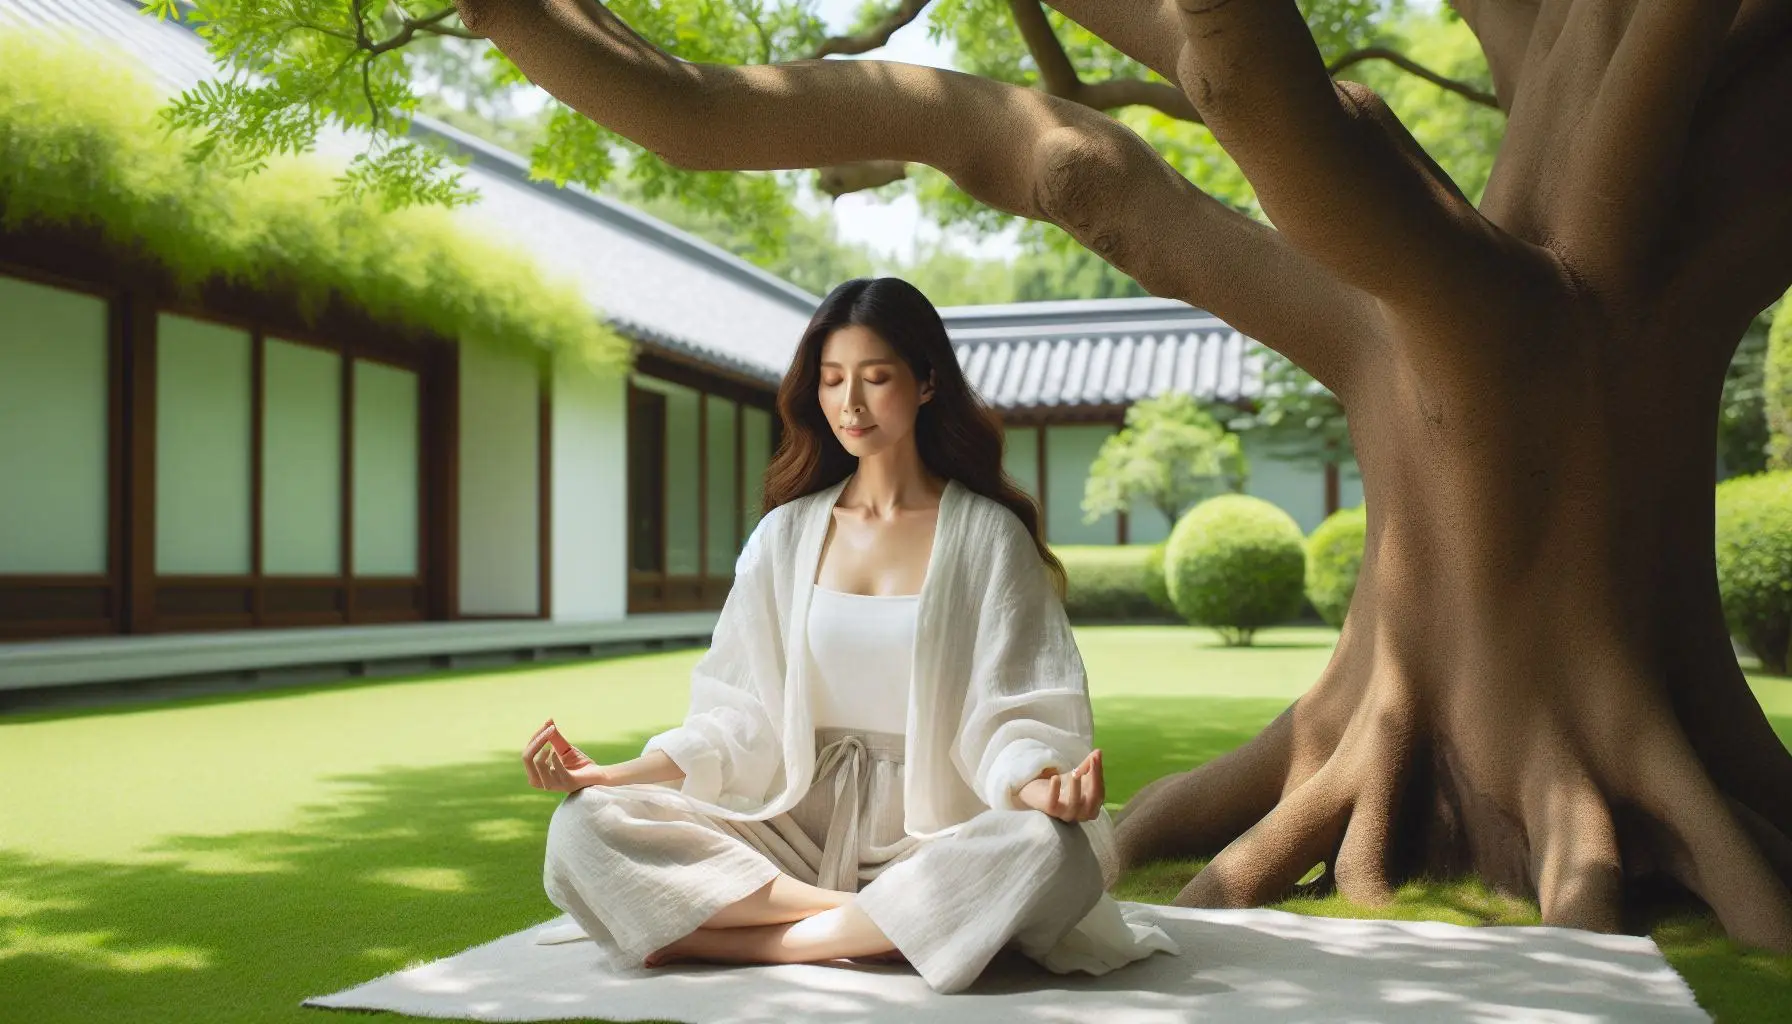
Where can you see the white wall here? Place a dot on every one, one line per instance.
(1070, 448)
(590, 482)
(1350, 485)
(1300, 491)
(500, 519)
(1069, 451)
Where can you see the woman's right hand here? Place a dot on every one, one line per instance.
(1073, 796)
(554, 764)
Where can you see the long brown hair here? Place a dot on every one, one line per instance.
(958, 436)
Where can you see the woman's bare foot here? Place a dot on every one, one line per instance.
(681, 950)
(828, 936)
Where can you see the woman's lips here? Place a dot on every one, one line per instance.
(858, 431)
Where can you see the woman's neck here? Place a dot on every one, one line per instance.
(881, 485)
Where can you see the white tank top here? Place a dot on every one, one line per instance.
(864, 646)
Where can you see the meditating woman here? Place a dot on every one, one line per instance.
(888, 752)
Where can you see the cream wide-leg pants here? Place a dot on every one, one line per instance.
(637, 874)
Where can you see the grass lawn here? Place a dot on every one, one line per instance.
(220, 859)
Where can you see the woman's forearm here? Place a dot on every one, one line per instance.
(654, 766)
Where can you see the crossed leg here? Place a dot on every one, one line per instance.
(784, 921)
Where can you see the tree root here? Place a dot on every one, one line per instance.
(1573, 815)
(1708, 850)
(1264, 863)
(1197, 812)
(1576, 869)
(1774, 844)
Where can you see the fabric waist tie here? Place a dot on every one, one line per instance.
(840, 853)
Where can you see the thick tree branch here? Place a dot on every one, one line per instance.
(1629, 141)
(1331, 165)
(1137, 28)
(1014, 149)
(1057, 76)
(1730, 235)
(1055, 70)
(874, 37)
(844, 178)
(1148, 31)
(432, 24)
(1504, 30)
(1060, 78)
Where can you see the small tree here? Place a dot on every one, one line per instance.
(1170, 454)
(1742, 413)
(1776, 387)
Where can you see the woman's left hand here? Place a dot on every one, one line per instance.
(1075, 796)
(556, 765)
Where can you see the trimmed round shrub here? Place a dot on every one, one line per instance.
(1109, 582)
(1236, 563)
(1754, 562)
(1334, 555)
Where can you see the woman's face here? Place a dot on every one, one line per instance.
(868, 394)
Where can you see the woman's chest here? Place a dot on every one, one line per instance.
(865, 556)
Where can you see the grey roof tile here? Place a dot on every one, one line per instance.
(1037, 355)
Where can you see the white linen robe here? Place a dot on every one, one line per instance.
(998, 694)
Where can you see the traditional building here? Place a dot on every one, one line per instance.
(1064, 373)
(190, 489)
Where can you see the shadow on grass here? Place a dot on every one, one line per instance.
(405, 867)
(408, 866)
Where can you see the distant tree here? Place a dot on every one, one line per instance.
(1742, 415)
(1776, 388)
(1069, 272)
(1170, 454)
(1297, 419)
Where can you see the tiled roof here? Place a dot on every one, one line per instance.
(1060, 355)
(648, 278)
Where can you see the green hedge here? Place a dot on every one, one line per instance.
(80, 145)
(1334, 556)
(1236, 563)
(1754, 562)
(1110, 582)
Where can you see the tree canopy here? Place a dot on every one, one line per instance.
(375, 64)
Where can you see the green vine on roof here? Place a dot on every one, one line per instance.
(80, 145)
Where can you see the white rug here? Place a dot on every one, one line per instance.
(1261, 966)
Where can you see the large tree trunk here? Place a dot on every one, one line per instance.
(1534, 683)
